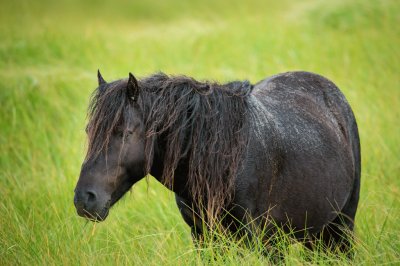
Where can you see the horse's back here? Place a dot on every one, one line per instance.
(313, 98)
(312, 138)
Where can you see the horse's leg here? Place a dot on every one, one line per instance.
(190, 218)
(338, 235)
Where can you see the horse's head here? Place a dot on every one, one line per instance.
(115, 158)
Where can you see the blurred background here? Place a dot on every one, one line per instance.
(50, 52)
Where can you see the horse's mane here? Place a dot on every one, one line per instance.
(203, 123)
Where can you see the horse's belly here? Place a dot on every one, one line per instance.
(307, 187)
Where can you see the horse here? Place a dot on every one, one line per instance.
(284, 152)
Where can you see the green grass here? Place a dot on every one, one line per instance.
(50, 52)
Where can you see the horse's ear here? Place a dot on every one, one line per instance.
(132, 88)
(100, 78)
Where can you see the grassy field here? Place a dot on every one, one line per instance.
(50, 52)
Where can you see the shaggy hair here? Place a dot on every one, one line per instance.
(203, 123)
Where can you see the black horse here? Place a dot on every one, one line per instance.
(285, 151)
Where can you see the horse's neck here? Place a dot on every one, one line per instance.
(180, 174)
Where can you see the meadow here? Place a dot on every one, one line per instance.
(50, 52)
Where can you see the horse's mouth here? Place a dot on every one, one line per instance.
(94, 217)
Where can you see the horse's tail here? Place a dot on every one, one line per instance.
(350, 208)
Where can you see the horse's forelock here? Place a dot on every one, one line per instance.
(106, 110)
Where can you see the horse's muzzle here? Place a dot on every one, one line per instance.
(88, 204)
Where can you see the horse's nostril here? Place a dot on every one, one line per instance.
(91, 196)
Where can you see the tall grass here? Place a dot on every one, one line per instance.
(49, 54)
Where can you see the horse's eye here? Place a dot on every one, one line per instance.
(129, 132)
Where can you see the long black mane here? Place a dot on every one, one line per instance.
(203, 123)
